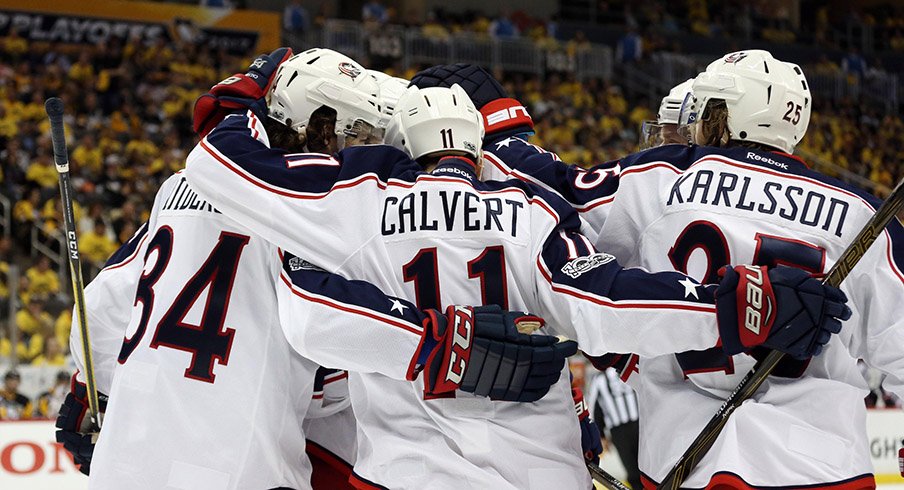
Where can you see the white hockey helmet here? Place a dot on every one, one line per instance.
(391, 89)
(323, 77)
(436, 119)
(670, 106)
(768, 100)
(655, 133)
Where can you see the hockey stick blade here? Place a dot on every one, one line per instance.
(54, 108)
(757, 376)
(605, 479)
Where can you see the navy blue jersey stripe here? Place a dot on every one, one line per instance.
(127, 249)
(354, 296)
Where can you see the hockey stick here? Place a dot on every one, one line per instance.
(54, 108)
(755, 378)
(605, 479)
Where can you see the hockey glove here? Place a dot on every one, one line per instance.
(75, 428)
(480, 350)
(241, 91)
(591, 442)
(502, 115)
(782, 308)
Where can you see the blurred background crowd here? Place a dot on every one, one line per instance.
(132, 103)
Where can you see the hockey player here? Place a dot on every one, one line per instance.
(208, 388)
(664, 130)
(445, 237)
(331, 431)
(743, 198)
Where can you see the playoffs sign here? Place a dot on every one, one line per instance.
(79, 22)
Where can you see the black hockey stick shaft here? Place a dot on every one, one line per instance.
(54, 108)
(755, 378)
(603, 478)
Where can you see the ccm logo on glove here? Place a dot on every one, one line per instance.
(461, 344)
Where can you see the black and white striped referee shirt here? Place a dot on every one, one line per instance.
(615, 399)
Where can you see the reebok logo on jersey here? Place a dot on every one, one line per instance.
(753, 156)
(574, 268)
(452, 170)
(297, 264)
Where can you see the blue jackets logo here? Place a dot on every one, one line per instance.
(349, 69)
(574, 268)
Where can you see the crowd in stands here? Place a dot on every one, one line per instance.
(16, 406)
(129, 128)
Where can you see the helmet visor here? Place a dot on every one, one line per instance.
(650, 134)
(687, 117)
(361, 133)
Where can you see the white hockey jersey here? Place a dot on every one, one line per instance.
(207, 387)
(446, 238)
(695, 209)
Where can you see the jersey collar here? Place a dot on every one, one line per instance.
(457, 167)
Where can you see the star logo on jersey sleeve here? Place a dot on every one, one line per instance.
(397, 305)
(506, 142)
(690, 288)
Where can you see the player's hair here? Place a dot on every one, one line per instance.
(714, 128)
(316, 137)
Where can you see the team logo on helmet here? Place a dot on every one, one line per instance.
(349, 69)
(735, 57)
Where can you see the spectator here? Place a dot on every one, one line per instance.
(42, 280)
(502, 27)
(95, 245)
(853, 64)
(42, 172)
(35, 325)
(374, 12)
(296, 18)
(629, 48)
(32, 319)
(14, 405)
(50, 401)
(5, 254)
(53, 354)
(62, 327)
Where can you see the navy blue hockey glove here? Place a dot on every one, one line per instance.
(781, 308)
(74, 425)
(480, 350)
(591, 442)
(241, 91)
(502, 116)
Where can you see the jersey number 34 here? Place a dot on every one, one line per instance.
(208, 341)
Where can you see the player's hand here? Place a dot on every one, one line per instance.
(591, 442)
(76, 432)
(503, 116)
(781, 308)
(480, 350)
(241, 91)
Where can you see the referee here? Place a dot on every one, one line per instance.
(615, 411)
